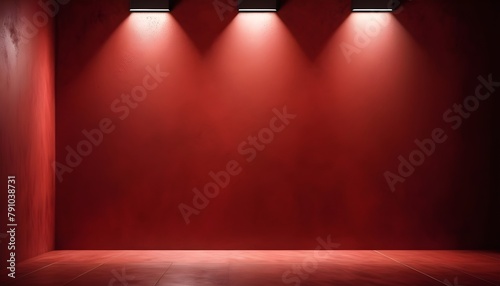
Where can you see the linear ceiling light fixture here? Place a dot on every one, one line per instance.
(374, 5)
(149, 5)
(258, 5)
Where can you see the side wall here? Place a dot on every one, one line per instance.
(27, 125)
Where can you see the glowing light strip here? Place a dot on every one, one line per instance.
(257, 10)
(372, 10)
(149, 10)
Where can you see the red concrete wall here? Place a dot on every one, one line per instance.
(162, 107)
(27, 125)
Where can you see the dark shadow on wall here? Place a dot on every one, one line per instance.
(203, 21)
(312, 23)
(93, 22)
(492, 24)
(465, 42)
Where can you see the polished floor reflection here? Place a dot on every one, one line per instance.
(242, 268)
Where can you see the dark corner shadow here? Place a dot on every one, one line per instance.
(173, 4)
(82, 28)
(313, 23)
(203, 21)
(397, 4)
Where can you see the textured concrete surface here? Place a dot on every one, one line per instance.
(27, 126)
(323, 174)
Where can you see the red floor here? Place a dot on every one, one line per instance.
(256, 268)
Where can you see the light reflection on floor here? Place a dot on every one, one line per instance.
(240, 268)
